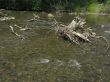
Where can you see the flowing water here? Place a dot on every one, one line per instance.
(43, 57)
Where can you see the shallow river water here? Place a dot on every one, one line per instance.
(43, 57)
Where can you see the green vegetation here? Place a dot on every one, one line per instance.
(98, 7)
(55, 5)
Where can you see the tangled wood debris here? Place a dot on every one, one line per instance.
(76, 31)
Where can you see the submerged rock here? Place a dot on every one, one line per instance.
(74, 63)
(107, 32)
(58, 62)
(50, 15)
(43, 61)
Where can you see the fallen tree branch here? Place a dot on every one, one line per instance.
(21, 28)
(18, 26)
(12, 30)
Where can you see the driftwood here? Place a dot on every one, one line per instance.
(6, 18)
(76, 31)
(12, 30)
(20, 28)
(2, 13)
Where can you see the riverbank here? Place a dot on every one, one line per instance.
(94, 6)
(88, 13)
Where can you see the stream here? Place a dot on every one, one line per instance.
(44, 57)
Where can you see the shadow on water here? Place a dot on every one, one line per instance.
(43, 57)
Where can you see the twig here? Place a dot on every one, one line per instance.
(17, 26)
(21, 28)
(108, 46)
(31, 20)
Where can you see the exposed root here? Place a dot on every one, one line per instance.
(76, 31)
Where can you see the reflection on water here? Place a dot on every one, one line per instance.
(43, 57)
